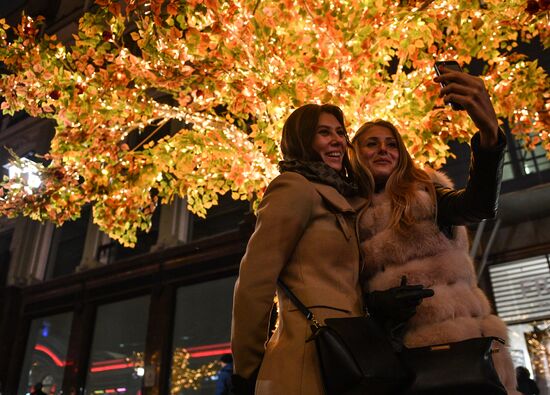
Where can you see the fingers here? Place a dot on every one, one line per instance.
(456, 88)
(447, 76)
(417, 294)
(463, 101)
(461, 83)
(415, 287)
(414, 293)
(456, 79)
(427, 293)
(467, 91)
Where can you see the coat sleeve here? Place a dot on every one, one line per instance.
(479, 200)
(282, 218)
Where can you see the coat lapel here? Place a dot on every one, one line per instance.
(334, 198)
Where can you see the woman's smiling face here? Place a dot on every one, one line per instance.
(330, 140)
(379, 151)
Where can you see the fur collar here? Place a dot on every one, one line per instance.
(438, 177)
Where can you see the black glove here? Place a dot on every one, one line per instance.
(396, 305)
(242, 386)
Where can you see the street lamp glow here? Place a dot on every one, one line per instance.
(28, 173)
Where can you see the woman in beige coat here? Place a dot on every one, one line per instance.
(305, 236)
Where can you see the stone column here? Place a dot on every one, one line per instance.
(94, 239)
(30, 248)
(174, 225)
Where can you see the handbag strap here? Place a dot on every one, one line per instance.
(305, 311)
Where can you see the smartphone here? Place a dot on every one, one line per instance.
(451, 65)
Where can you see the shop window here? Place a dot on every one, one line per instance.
(202, 331)
(5, 241)
(116, 357)
(67, 246)
(534, 161)
(530, 348)
(522, 289)
(223, 217)
(520, 162)
(507, 169)
(522, 297)
(45, 355)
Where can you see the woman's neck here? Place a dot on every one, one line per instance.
(379, 187)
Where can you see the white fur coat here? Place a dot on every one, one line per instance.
(459, 309)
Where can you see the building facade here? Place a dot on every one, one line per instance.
(81, 314)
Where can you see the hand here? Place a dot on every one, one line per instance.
(470, 93)
(396, 305)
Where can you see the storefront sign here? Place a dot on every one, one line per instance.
(522, 289)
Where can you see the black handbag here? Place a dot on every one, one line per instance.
(355, 355)
(459, 368)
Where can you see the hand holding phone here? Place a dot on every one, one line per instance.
(472, 95)
(450, 65)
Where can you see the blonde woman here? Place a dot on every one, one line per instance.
(412, 226)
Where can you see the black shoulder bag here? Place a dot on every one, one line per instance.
(355, 355)
(464, 367)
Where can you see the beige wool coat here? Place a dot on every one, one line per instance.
(305, 235)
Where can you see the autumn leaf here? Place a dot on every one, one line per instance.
(220, 77)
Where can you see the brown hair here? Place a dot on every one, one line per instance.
(402, 183)
(299, 131)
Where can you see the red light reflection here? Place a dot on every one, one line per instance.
(51, 354)
(208, 350)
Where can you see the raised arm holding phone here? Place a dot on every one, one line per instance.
(413, 228)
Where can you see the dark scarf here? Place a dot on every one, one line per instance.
(317, 171)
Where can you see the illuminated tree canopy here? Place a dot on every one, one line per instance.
(156, 99)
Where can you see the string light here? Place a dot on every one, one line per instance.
(183, 376)
(231, 76)
(539, 350)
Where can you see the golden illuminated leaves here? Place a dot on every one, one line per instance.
(185, 377)
(220, 77)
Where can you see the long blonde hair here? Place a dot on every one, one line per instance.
(401, 185)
